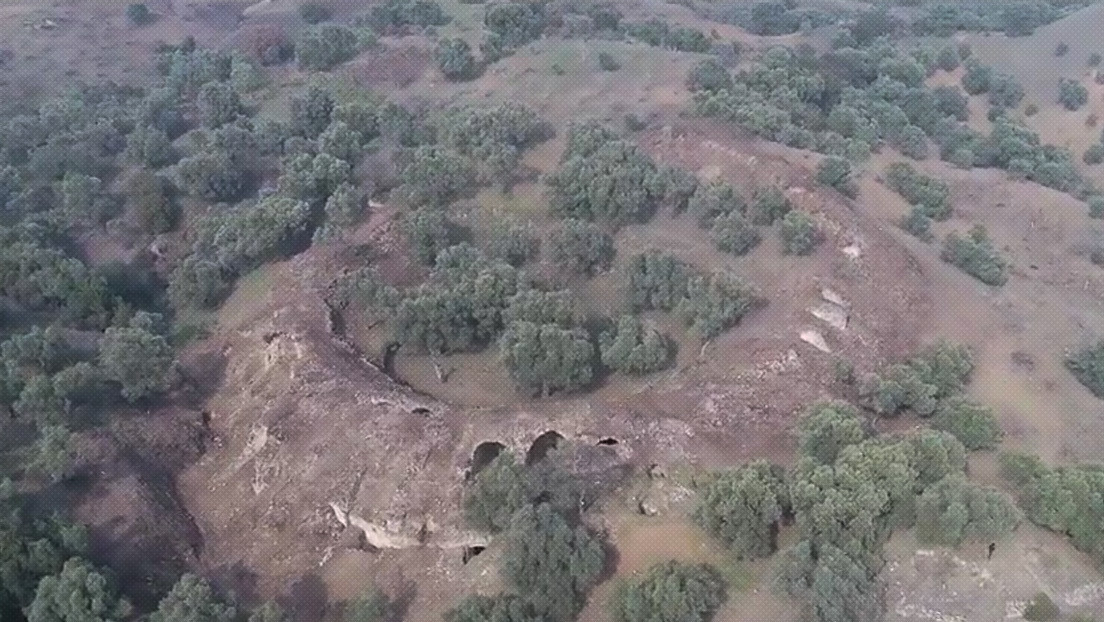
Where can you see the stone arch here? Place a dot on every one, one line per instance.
(484, 454)
(541, 446)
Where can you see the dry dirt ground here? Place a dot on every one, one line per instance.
(301, 471)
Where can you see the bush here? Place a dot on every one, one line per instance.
(192, 600)
(929, 195)
(827, 428)
(1004, 91)
(78, 592)
(499, 608)
(671, 592)
(137, 357)
(918, 224)
(948, 59)
(712, 200)
(513, 243)
(734, 233)
(455, 59)
(1094, 154)
(152, 209)
(971, 423)
(139, 14)
(836, 172)
(1041, 609)
(976, 256)
(552, 563)
(977, 78)
(656, 281)
(596, 159)
(769, 206)
(1087, 365)
(496, 494)
(798, 233)
(372, 606)
(954, 510)
(715, 303)
(1072, 94)
(1096, 206)
(709, 75)
(314, 13)
(606, 62)
(581, 247)
(547, 358)
(1062, 49)
(634, 347)
(1094, 59)
(744, 507)
(1031, 110)
(322, 47)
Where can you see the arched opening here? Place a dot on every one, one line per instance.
(484, 454)
(470, 552)
(609, 442)
(420, 411)
(541, 446)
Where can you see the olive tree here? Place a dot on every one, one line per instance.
(547, 358)
(671, 592)
(581, 247)
(79, 593)
(137, 357)
(827, 428)
(192, 600)
(634, 347)
(455, 59)
(744, 507)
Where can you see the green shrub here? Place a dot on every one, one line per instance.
(930, 195)
(551, 562)
(798, 233)
(496, 494)
(1094, 154)
(634, 347)
(455, 59)
(547, 358)
(371, 606)
(1087, 365)
(1094, 59)
(709, 75)
(1031, 110)
(1072, 94)
(322, 47)
(734, 233)
(971, 423)
(827, 428)
(1096, 206)
(976, 256)
(656, 281)
(580, 247)
(715, 303)
(671, 592)
(714, 199)
(1062, 49)
(314, 13)
(1041, 609)
(769, 206)
(744, 507)
(606, 62)
(954, 510)
(836, 172)
(139, 14)
(918, 224)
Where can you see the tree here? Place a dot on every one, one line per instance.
(210, 175)
(343, 210)
(455, 59)
(52, 451)
(341, 141)
(218, 104)
(712, 200)
(1072, 94)
(744, 507)
(322, 47)
(1041, 609)
(612, 181)
(769, 206)
(552, 563)
(496, 494)
(137, 358)
(734, 233)
(827, 428)
(1004, 91)
(78, 594)
(970, 422)
(139, 14)
(197, 282)
(372, 606)
(935, 455)
(581, 247)
(836, 172)
(954, 510)
(436, 176)
(269, 612)
(948, 58)
(149, 146)
(927, 193)
(513, 243)
(976, 256)
(656, 281)
(977, 78)
(314, 13)
(1087, 365)
(606, 62)
(192, 600)
(671, 592)
(634, 348)
(798, 233)
(547, 358)
(311, 115)
(499, 608)
(240, 237)
(151, 207)
(427, 231)
(709, 75)
(1094, 154)
(715, 303)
